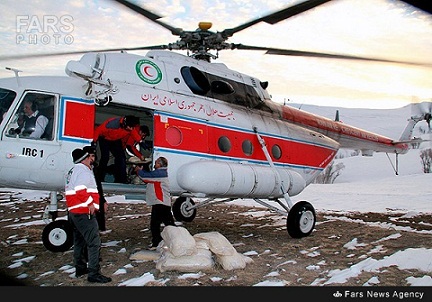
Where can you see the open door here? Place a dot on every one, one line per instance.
(145, 148)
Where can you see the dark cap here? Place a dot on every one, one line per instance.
(79, 155)
(130, 120)
(90, 149)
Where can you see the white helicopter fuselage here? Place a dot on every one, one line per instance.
(211, 142)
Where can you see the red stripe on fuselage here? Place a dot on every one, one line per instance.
(202, 138)
(330, 127)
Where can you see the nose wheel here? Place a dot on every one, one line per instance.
(57, 236)
(301, 219)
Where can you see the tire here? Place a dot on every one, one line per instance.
(57, 236)
(301, 220)
(180, 212)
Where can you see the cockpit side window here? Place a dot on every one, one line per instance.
(6, 99)
(196, 80)
(34, 117)
(221, 88)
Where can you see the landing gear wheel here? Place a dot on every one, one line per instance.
(301, 220)
(181, 211)
(57, 236)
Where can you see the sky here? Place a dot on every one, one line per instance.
(388, 29)
(366, 184)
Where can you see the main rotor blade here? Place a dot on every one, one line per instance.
(420, 4)
(301, 53)
(151, 16)
(277, 16)
(42, 55)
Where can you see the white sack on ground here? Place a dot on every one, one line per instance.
(145, 256)
(235, 261)
(201, 260)
(217, 243)
(226, 255)
(179, 254)
(201, 244)
(178, 240)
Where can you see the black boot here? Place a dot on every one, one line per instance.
(81, 272)
(99, 278)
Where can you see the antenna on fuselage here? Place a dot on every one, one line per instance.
(16, 71)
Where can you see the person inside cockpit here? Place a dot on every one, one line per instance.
(33, 123)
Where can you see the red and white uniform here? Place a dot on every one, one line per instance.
(112, 130)
(157, 191)
(131, 140)
(81, 189)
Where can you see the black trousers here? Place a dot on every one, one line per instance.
(87, 242)
(116, 149)
(100, 215)
(159, 214)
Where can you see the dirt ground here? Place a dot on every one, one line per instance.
(299, 262)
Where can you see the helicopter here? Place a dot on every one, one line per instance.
(223, 135)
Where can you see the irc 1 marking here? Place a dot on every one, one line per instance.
(32, 152)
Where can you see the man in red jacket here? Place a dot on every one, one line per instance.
(103, 205)
(136, 137)
(82, 200)
(109, 136)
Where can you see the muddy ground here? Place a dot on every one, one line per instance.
(298, 262)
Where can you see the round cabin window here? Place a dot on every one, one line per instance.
(174, 136)
(224, 144)
(276, 151)
(247, 147)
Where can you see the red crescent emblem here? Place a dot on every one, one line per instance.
(145, 69)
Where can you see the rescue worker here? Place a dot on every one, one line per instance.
(136, 137)
(109, 137)
(82, 200)
(158, 197)
(103, 205)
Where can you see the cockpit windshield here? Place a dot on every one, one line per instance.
(6, 99)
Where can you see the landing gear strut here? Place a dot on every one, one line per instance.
(57, 236)
(301, 217)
